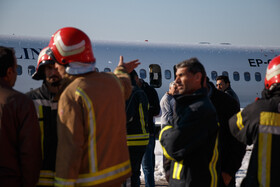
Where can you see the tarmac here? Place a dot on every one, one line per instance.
(157, 183)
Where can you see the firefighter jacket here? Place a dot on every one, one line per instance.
(232, 151)
(259, 124)
(136, 118)
(192, 142)
(92, 148)
(20, 147)
(46, 108)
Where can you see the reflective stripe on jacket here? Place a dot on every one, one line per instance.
(259, 124)
(137, 118)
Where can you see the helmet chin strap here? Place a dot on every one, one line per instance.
(77, 68)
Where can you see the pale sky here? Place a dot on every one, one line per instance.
(239, 22)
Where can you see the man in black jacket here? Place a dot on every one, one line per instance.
(137, 129)
(46, 106)
(232, 151)
(148, 162)
(192, 141)
(259, 124)
(223, 84)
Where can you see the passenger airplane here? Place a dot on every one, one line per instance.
(245, 66)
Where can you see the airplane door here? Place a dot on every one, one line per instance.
(155, 75)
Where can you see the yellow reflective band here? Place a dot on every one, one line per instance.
(163, 148)
(212, 164)
(137, 136)
(174, 170)
(166, 154)
(239, 121)
(264, 158)
(269, 123)
(46, 178)
(137, 143)
(106, 175)
(142, 119)
(41, 124)
(45, 182)
(270, 118)
(164, 129)
(177, 170)
(92, 130)
(64, 182)
(46, 173)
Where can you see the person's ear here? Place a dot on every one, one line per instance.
(198, 77)
(10, 72)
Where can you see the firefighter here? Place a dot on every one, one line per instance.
(259, 124)
(45, 101)
(92, 149)
(137, 129)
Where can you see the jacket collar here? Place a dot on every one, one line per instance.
(189, 98)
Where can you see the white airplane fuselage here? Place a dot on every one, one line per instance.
(158, 60)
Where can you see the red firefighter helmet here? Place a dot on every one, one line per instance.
(43, 59)
(70, 44)
(272, 73)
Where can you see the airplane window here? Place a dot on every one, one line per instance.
(19, 70)
(143, 74)
(225, 73)
(247, 76)
(236, 76)
(258, 76)
(107, 70)
(31, 70)
(214, 75)
(167, 74)
(155, 76)
(96, 69)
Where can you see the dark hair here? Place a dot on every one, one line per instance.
(7, 59)
(193, 66)
(133, 74)
(224, 78)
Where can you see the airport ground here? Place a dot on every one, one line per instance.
(157, 183)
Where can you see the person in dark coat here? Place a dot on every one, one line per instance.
(192, 139)
(223, 84)
(137, 129)
(148, 162)
(232, 151)
(20, 145)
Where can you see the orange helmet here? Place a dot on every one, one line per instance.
(272, 73)
(43, 59)
(70, 44)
